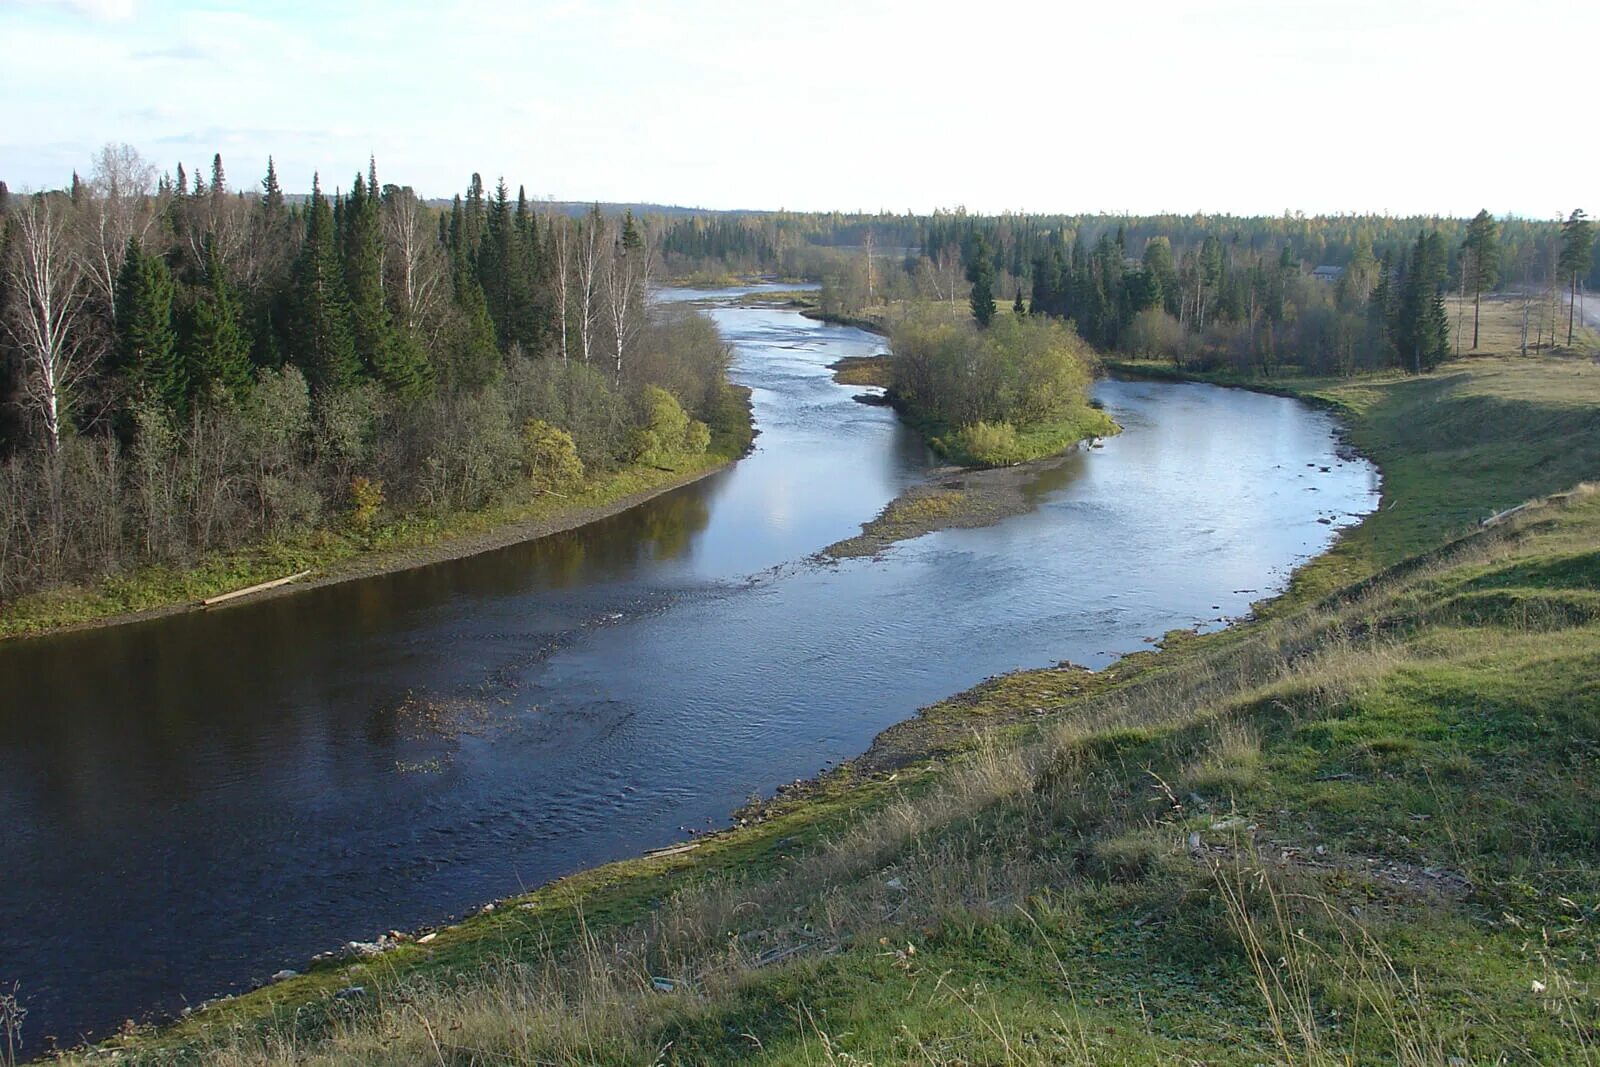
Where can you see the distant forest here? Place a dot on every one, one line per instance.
(1335, 294)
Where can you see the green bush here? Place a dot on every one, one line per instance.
(697, 438)
(986, 444)
(550, 454)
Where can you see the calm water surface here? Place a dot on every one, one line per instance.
(195, 802)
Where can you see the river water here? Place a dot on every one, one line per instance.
(198, 801)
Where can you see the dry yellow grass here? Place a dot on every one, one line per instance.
(1500, 326)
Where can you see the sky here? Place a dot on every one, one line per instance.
(1217, 106)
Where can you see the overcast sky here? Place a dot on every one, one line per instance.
(1121, 105)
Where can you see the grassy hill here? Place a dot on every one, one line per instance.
(1359, 829)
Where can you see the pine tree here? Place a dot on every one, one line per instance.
(980, 272)
(147, 356)
(218, 350)
(1482, 248)
(321, 343)
(183, 182)
(1017, 307)
(219, 184)
(1577, 249)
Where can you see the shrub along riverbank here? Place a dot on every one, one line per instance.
(1361, 828)
(543, 487)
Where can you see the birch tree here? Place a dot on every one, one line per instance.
(561, 243)
(47, 289)
(120, 206)
(415, 263)
(591, 249)
(627, 286)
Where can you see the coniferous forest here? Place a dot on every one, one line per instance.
(197, 365)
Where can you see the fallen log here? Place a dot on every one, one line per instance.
(221, 597)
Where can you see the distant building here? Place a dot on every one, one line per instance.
(1327, 274)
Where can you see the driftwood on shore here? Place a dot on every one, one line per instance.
(1501, 516)
(261, 587)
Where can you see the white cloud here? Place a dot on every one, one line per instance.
(103, 10)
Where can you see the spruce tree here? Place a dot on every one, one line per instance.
(271, 192)
(980, 272)
(474, 356)
(498, 264)
(218, 350)
(362, 240)
(321, 343)
(1421, 328)
(535, 324)
(147, 356)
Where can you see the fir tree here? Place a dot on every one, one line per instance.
(474, 356)
(980, 272)
(218, 350)
(498, 266)
(147, 356)
(1017, 307)
(1421, 326)
(321, 343)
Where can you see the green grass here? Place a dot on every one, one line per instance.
(1359, 829)
(335, 549)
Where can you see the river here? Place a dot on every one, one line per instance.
(194, 802)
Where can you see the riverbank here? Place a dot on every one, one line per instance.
(953, 498)
(1324, 834)
(403, 543)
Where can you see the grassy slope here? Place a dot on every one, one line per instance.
(332, 549)
(1360, 829)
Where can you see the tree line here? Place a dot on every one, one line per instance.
(1251, 298)
(190, 366)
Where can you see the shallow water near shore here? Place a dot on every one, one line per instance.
(192, 802)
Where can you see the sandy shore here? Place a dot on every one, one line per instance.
(954, 498)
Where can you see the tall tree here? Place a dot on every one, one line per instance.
(121, 208)
(393, 359)
(1481, 249)
(45, 312)
(321, 341)
(1421, 327)
(218, 350)
(1577, 249)
(980, 272)
(147, 356)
